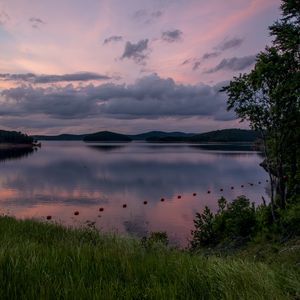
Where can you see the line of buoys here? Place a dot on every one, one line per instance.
(76, 213)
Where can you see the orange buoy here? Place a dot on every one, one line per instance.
(194, 194)
(76, 213)
(101, 209)
(49, 217)
(145, 202)
(124, 205)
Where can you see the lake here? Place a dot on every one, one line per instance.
(64, 177)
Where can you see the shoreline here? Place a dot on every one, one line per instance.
(6, 146)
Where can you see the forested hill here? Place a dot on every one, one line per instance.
(225, 135)
(14, 137)
(159, 134)
(106, 136)
(222, 136)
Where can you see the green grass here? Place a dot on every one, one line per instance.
(47, 261)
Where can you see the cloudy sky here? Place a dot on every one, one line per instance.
(125, 65)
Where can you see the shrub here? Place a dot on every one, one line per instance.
(234, 222)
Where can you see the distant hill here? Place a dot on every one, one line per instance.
(106, 136)
(14, 137)
(225, 135)
(159, 134)
(60, 137)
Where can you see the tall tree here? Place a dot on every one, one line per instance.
(269, 98)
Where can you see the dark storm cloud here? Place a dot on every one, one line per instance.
(229, 44)
(147, 17)
(114, 38)
(137, 51)
(36, 22)
(33, 78)
(234, 64)
(149, 97)
(171, 36)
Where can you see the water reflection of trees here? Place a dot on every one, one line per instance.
(224, 147)
(106, 148)
(15, 153)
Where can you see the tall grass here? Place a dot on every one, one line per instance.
(47, 261)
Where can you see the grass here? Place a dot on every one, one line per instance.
(47, 261)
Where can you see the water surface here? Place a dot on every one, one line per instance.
(63, 177)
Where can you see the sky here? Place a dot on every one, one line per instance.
(80, 66)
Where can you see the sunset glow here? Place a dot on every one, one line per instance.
(63, 62)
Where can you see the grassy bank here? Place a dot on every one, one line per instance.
(46, 261)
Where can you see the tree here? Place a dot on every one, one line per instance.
(269, 98)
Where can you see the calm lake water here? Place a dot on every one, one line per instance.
(64, 177)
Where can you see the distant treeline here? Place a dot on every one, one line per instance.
(14, 137)
(220, 136)
(106, 136)
(225, 135)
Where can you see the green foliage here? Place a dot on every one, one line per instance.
(155, 239)
(46, 261)
(269, 98)
(290, 220)
(13, 137)
(238, 224)
(234, 223)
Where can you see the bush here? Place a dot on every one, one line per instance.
(234, 222)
